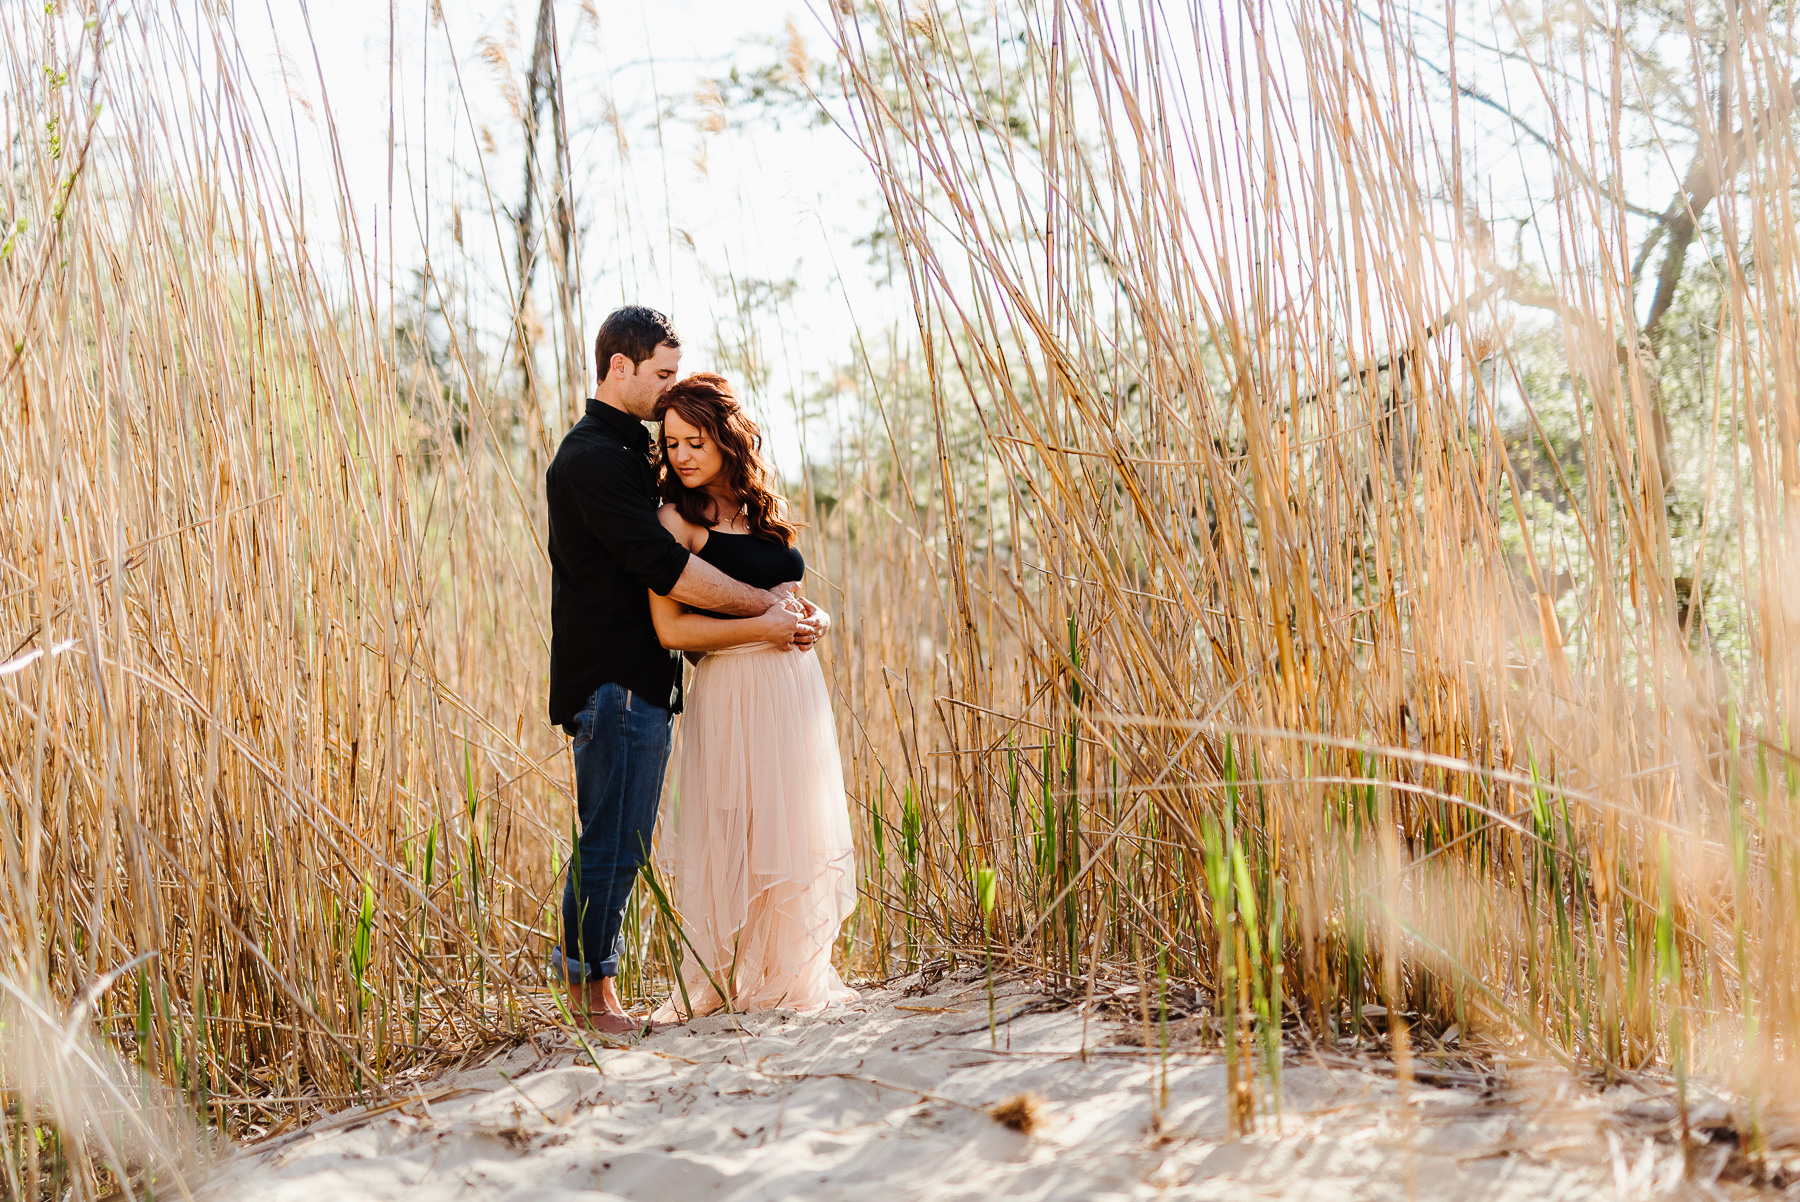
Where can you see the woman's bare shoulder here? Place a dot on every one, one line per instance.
(686, 533)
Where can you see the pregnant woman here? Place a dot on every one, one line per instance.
(757, 834)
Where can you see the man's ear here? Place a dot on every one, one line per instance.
(621, 363)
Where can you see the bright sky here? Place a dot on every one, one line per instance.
(674, 215)
(771, 202)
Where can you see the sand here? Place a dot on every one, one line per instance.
(890, 1099)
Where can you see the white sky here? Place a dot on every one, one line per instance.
(771, 204)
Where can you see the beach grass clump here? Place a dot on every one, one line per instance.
(276, 820)
(1382, 626)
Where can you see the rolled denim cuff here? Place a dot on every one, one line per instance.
(580, 972)
(563, 968)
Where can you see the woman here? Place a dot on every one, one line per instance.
(758, 834)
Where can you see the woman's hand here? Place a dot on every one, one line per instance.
(815, 624)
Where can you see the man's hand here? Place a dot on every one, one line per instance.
(816, 625)
(786, 624)
(792, 623)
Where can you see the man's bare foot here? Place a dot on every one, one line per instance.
(610, 1024)
(596, 1005)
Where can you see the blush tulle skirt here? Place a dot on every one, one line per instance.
(756, 842)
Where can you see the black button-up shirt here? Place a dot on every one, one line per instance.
(606, 549)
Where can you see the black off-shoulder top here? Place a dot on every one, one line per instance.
(757, 562)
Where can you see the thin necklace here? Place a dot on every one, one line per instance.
(743, 512)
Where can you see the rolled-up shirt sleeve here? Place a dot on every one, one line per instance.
(613, 505)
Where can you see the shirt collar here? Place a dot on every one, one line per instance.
(622, 424)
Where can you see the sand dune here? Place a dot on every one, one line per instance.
(890, 1099)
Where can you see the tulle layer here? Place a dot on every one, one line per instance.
(756, 841)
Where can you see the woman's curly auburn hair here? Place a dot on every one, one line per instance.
(706, 402)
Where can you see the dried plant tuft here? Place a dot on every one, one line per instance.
(1021, 1112)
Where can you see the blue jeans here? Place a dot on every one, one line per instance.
(621, 749)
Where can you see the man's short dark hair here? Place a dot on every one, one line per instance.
(635, 332)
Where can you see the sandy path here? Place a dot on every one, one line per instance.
(749, 1108)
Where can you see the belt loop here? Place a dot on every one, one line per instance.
(627, 700)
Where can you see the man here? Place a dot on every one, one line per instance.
(612, 685)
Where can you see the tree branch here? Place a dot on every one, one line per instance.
(1706, 177)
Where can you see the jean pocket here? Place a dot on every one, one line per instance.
(584, 724)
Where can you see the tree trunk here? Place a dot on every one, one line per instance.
(537, 82)
(566, 264)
